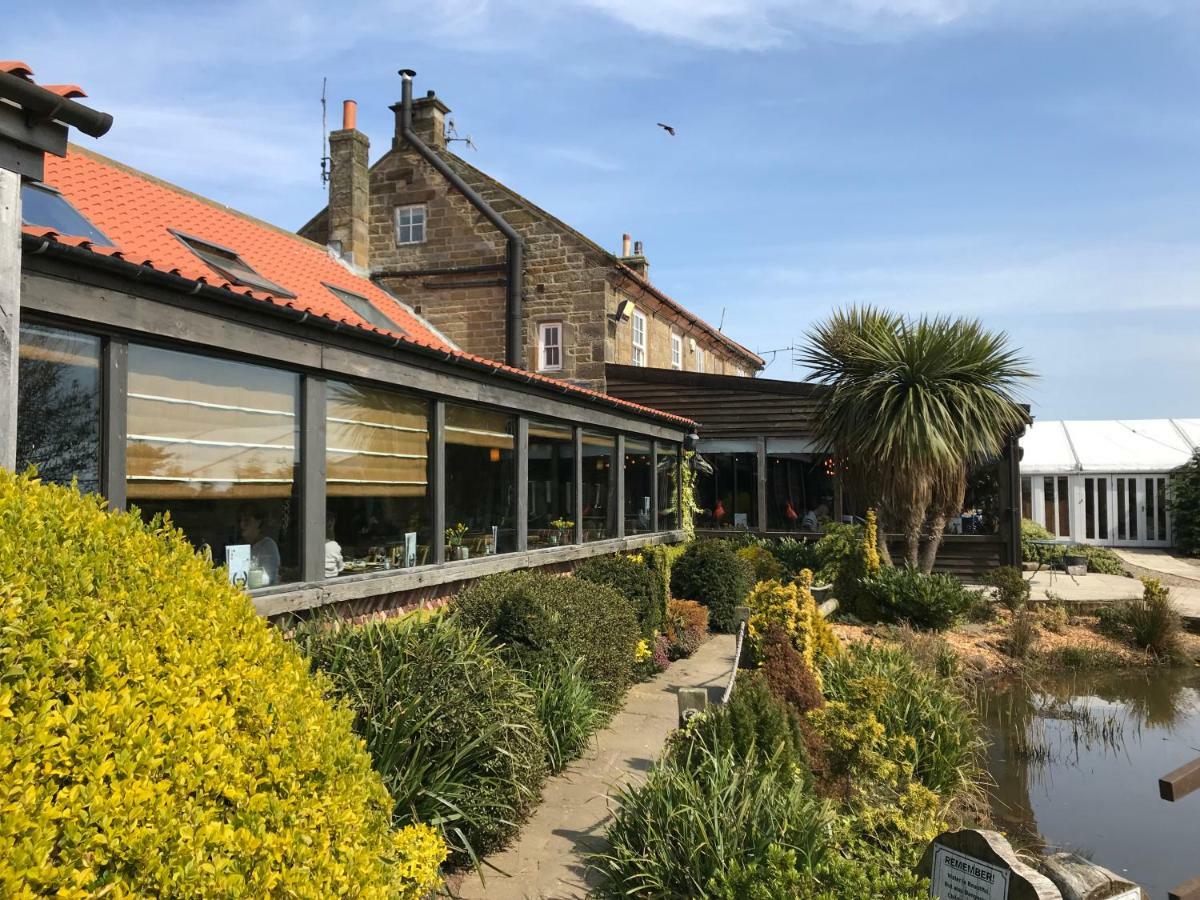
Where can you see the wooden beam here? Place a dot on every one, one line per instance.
(1189, 890)
(578, 511)
(1179, 783)
(654, 486)
(312, 478)
(437, 479)
(276, 601)
(522, 483)
(760, 493)
(114, 387)
(10, 313)
(618, 491)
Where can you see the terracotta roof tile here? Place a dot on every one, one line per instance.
(138, 213)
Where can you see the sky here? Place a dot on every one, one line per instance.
(1032, 164)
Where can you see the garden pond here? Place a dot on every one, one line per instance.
(1076, 758)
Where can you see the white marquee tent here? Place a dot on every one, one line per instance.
(1104, 482)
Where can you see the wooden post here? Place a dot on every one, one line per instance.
(692, 701)
(578, 432)
(618, 474)
(1182, 781)
(654, 500)
(760, 492)
(312, 478)
(522, 484)
(10, 313)
(437, 479)
(114, 384)
(1189, 890)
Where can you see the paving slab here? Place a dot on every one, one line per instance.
(549, 859)
(1161, 561)
(1096, 588)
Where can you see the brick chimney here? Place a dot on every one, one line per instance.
(428, 121)
(349, 190)
(635, 260)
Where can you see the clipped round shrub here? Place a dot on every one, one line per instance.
(454, 732)
(712, 573)
(158, 738)
(636, 582)
(537, 616)
(763, 562)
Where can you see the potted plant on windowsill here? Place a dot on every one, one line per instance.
(561, 528)
(454, 541)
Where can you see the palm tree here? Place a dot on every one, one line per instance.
(912, 404)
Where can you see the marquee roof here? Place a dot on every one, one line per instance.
(1108, 446)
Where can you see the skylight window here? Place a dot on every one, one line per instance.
(44, 207)
(367, 310)
(232, 267)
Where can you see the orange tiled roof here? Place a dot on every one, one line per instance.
(138, 212)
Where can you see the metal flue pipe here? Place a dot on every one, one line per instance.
(514, 343)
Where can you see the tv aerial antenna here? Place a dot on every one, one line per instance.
(325, 160)
(452, 136)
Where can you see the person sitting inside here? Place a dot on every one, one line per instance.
(813, 518)
(264, 552)
(334, 561)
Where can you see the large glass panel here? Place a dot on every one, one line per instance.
(1131, 487)
(215, 443)
(551, 485)
(1089, 507)
(1102, 507)
(1027, 497)
(799, 492)
(599, 489)
(1120, 509)
(377, 512)
(727, 496)
(1149, 532)
(668, 486)
(1048, 497)
(1064, 508)
(639, 480)
(1162, 509)
(481, 478)
(58, 406)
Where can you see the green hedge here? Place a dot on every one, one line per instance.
(454, 732)
(634, 580)
(538, 617)
(158, 738)
(712, 573)
(904, 594)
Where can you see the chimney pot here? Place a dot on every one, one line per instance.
(624, 245)
(637, 248)
(349, 114)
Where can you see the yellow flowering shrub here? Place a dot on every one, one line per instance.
(793, 608)
(157, 738)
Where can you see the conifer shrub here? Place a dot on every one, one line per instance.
(1010, 587)
(790, 677)
(792, 609)
(763, 562)
(636, 582)
(711, 572)
(1184, 503)
(687, 627)
(451, 728)
(158, 738)
(538, 617)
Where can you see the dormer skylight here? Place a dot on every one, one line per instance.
(230, 265)
(366, 310)
(44, 207)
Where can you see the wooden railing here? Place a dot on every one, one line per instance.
(1175, 786)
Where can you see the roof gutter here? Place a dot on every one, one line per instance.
(514, 344)
(41, 246)
(45, 105)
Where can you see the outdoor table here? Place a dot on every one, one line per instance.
(1055, 542)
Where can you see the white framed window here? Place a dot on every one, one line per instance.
(550, 347)
(699, 358)
(638, 357)
(676, 351)
(410, 224)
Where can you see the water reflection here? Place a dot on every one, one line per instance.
(1076, 759)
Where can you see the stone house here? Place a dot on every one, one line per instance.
(440, 247)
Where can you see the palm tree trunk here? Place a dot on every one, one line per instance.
(885, 555)
(929, 552)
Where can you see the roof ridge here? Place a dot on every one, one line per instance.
(192, 195)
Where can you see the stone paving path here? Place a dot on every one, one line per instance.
(1161, 561)
(549, 858)
(1093, 588)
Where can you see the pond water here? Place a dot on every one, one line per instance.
(1076, 761)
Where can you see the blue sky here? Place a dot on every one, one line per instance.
(1031, 163)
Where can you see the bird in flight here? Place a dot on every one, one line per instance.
(667, 128)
